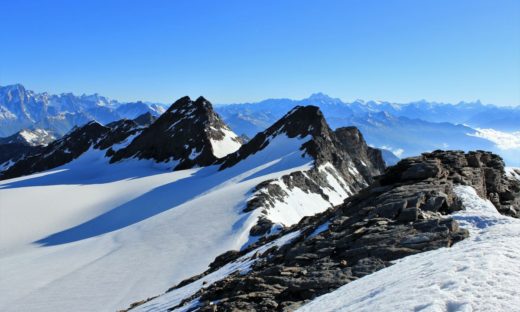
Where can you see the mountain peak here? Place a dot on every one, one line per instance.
(319, 96)
(29, 137)
(189, 133)
(300, 122)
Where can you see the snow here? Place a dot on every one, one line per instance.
(322, 228)
(339, 190)
(296, 205)
(229, 144)
(29, 136)
(481, 273)
(93, 236)
(116, 147)
(35, 137)
(513, 172)
(6, 165)
(241, 265)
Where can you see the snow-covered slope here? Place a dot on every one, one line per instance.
(481, 273)
(241, 265)
(513, 172)
(113, 232)
(110, 234)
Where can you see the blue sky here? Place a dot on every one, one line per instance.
(235, 51)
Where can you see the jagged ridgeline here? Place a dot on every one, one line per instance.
(406, 211)
(71, 146)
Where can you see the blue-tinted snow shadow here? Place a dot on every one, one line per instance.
(477, 221)
(154, 202)
(71, 175)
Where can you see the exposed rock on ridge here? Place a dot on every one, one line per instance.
(403, 213)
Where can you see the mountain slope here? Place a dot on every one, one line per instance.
(409, 210)
(343, 164)
(29, 137)
(22, 144)
(112, 233)
(478, 273)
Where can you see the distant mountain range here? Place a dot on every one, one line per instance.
(404, 129)
(21, 108)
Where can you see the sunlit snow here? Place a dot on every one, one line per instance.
(93, 236)
(481, 273)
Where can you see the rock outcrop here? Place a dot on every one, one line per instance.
(482, 170)
(404, 212)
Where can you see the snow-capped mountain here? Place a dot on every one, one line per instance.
(112, 230)
(21, 108)
(29, 137)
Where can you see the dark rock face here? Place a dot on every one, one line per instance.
(353, 142)
(119, 131)
(182, 133)
(145, 119)
(301, 121)
(404, 212)
(11, 153)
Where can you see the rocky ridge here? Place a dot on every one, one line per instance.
(343, 164)
(71, 146)
(404, 212)
(22, 144)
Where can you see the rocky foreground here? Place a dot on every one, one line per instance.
(405, 212)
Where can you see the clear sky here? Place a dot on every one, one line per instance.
(246, 50)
